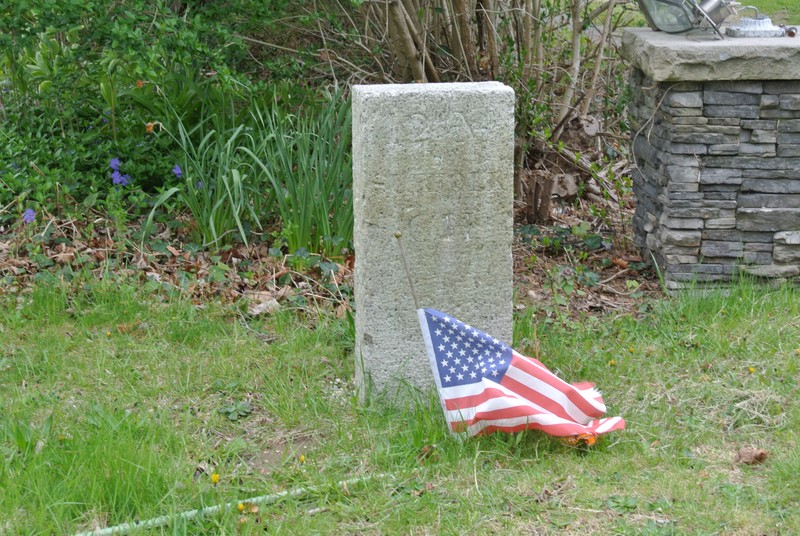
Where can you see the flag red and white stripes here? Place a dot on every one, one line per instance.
(485, 386)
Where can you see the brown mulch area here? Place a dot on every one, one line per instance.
(555, 268)
(610, 279)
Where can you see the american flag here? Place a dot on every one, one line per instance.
(485, 386)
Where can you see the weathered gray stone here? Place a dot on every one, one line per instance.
(688, 148)
(672, 111)
(704, 212)
(731, 99)
(699, 203)
(759, 124)
(759, 246)
(742, 111)
(790, 102)
(779, 114)
(724, 149)
(750, 162)
(727, 213)
(775, 186)
(771, 271)
(681, 223)
(746, 238)
(774, 174)
(652, 242)
(709, 268)
(720, 223)
(789, 137)
(643, 150)
(767, 219)
(763, 149)
(710, 248)
(688, 120)
(770, 101)
(789, 150)
(708, 138)
(682, 187)
(682, 259)
(668, 249)
(747, 200)
(733, 85)
(763, 136)
(670, 57)
(724, 121)
(786, 254)
(705, 188)
(757, 257)
(699, 277)
(680, 238)
(682, 174)
(789, 125)
(435, 162)
(684, 99)
(785, 85)
(670, 197)
(721, 261)
(731, 132)
(721, 176)
(719, 195)
(789, 238)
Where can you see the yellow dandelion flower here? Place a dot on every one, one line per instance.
(240, 507)
(302, 458)
(612, 362)
(215, 478)
(751, 369)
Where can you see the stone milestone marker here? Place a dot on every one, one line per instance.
(434, 162)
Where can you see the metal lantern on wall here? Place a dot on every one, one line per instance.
(676, 16)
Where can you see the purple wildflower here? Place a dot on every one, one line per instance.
(114, 164)
(29, 215)
(120, 179)
(177, 171)
(199, 184)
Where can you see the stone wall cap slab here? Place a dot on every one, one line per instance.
(695, 57)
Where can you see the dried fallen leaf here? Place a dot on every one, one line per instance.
(622, 264)
(750, 455)
(580, 440)
(249, 508)
(428, 452)
(419, 492)
(129, 327)
(268, 306)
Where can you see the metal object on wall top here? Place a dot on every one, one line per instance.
(676, 16)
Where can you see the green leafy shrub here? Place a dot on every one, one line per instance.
(78, 83)
(306, 159)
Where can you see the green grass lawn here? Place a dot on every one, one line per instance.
(780, 11)
(120, 405)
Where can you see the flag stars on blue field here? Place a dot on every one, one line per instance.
(483, 356)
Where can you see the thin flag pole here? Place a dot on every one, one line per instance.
(398, 235)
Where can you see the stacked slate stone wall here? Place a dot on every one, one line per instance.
(718, 179)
